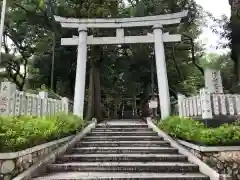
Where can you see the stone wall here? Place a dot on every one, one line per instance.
(225, 160)
(12, 164)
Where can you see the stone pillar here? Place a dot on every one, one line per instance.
(44, 105)
(213, 80)
(181, 110)
(65, 105)
(163, 89)
(80, 73)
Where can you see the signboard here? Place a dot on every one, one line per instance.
(153, 104)
(213, 80)
(217, 81)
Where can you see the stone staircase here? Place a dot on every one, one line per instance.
(122, 150)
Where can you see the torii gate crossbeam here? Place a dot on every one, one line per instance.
(166, 19)
(120, 39)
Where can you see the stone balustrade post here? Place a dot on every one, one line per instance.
(207, 111)
(44, 107)
(180, 105)
(65, 106)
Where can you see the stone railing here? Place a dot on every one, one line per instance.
(211, 171)
(223, 159)
(15, 103)
(13, 163)
(51, 156)
(208, 105)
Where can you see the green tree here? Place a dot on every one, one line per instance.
(234, 26)
(120, 69)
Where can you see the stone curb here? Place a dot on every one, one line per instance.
(204, 168)
(208, 149)
(40, 167)
(12, 155)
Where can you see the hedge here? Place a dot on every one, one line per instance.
(19, 133)
(195, 132)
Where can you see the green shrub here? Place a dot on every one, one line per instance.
(194, 131)
(183, 128)
(18, 133)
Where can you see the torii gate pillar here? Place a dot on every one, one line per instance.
(162, 78)
(80, 73)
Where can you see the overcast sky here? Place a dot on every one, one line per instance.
(217, 8)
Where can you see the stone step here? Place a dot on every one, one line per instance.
(125, 138)
(122, 176)
(140, 133)
(165, 167)
(121, 129)
(123, 144)
(120, 150)
(123, 158)
(122, 126)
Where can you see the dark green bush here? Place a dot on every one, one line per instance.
(18, 133)
(194, 131)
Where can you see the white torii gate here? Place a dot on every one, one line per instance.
(158, 38)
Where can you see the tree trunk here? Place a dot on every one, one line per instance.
(144, 100)
(97, 94)
(49, 80)
(134, 106)
(97, 85)
(94, 98)
(235, 41)
(55, 84)
(237, 69)
(115, 113)
(90, 106)
(21, 86)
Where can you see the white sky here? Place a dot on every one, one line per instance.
(217, 8)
